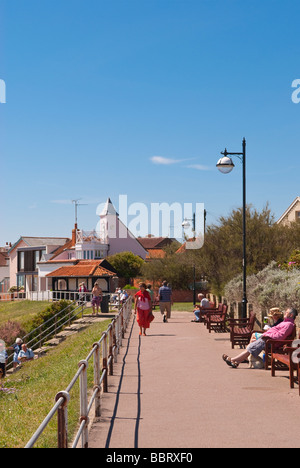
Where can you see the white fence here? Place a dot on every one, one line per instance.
(44, 296)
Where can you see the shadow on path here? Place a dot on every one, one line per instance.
(138, 415)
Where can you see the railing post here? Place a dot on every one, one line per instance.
(117, 335)
(113, 330)
(62, 420)
(104, 362)
(122, 322)
(110, 351)
(97, 380)
(84, 402)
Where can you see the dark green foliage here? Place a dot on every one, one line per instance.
(127, 264)
(221, 257)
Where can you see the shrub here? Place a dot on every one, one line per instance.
(47, 314)
(271, 287)
(16, 289)
(10, 331)
(293, 261)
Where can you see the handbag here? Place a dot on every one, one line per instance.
(150, 316)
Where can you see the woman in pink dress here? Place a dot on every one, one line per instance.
(143, 308)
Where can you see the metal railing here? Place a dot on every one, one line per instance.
(50, 328)
(104, 353)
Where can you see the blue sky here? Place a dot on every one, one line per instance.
(131, 97)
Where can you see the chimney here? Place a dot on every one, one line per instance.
(74, 234)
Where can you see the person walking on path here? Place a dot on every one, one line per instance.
(149, 286)
(97, 298)
(143, 308)
(82, 293)
(165, 300)
(280, 332)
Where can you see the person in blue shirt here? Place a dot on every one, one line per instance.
(26, 354)
(165, 300)
(16, 348)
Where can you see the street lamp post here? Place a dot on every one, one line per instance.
(225, 165)
(186, 224)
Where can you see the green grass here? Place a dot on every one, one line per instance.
(36, 385)
(21, 311)
(183, 306)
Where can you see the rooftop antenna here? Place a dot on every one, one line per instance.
(76, 205)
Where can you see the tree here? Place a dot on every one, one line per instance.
(127, 264)
(220, 259)
(172, 267)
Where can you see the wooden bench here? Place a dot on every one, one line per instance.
(289, 339)
(155, 302)
(284, 356)
(241, 330)
(205, 310)
(217, 320)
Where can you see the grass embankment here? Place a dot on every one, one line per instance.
(38, 382)
(21, 311)
(36, 385)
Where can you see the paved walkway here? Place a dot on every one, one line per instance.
(172, 389)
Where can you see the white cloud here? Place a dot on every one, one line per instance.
(162, 160)
(199, 167)
(168, 161)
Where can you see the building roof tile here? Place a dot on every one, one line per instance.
(82, 268)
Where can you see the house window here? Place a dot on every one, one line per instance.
(297, 215)
(62, 285)
(21, 261)
(21, 281)
(99, 254)
(34, 283)
(36, 259)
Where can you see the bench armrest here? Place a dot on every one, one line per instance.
(277, 344)
(239, 321)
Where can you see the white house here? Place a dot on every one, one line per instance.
(24, 257)
(4, 269)
(291, 214)
(110, 237)
(116, 235)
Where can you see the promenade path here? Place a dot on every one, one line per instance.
(171, 389)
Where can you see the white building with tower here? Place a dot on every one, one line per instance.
(110, 237)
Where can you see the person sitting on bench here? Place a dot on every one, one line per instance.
(280, 332)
